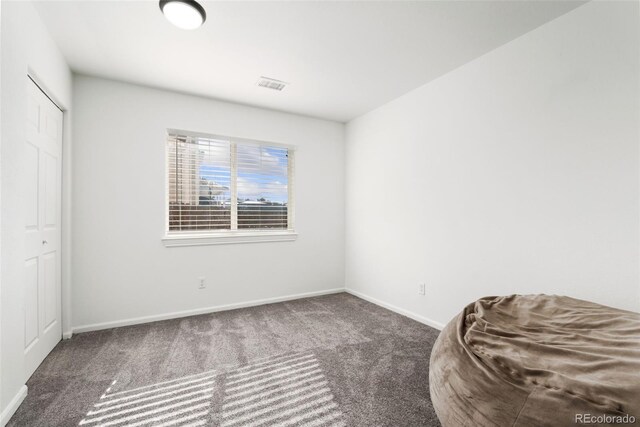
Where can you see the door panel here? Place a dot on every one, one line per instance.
(32, 161)
(51, 128)
(50, 288)
(33, 112)
(51, 190)
(31, 302)
(43, 188)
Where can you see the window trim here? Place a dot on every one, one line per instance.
(227, 237)
(232, 236)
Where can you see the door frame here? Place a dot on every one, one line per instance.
(65, 244)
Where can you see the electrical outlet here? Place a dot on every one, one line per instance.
(422, 289)
(202, 284)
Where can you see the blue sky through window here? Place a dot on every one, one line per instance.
(262, 173)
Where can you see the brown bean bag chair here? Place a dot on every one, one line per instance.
(537, 360)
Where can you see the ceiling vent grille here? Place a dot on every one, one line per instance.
(271, 83)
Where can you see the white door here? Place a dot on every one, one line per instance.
(42, 195)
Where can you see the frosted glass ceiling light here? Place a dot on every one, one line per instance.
(185, 14)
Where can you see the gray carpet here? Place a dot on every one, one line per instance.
(334, 360)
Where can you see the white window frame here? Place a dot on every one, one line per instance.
(232, 236)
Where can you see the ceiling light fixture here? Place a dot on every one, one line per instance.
(185, 14)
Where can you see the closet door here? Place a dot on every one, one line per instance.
(42, 196)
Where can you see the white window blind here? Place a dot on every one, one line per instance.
(219, 184)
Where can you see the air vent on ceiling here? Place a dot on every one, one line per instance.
(271, 83)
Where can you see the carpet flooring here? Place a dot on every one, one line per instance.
(333, 360)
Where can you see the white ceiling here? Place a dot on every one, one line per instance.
(342, 58)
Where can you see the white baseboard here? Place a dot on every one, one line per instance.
(67, 335)
(13, 406)
(409, 314)
(194, 312)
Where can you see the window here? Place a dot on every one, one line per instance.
(223, 189)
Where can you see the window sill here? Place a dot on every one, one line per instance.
(229, 237)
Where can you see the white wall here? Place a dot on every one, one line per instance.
(122, 271)
(26, 48)
(516, 173)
